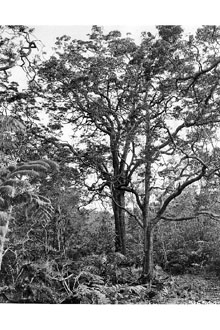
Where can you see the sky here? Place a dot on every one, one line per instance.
(47, 33)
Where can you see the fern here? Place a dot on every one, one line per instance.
(87, 277)
(92, 295)
(37, 205)
(11, 124)
(10, 179)
(18, 172)
(32, 167)
(53, 165)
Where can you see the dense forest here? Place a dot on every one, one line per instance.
(127, 209)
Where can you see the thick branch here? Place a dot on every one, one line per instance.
(208, 213)
(179, 219)
(201, 72)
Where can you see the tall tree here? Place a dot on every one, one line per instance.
(144, 117)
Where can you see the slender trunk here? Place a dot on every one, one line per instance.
(148, 263)
(147, 226)
(118, 203)
(4, 222)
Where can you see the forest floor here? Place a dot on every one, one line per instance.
(197, 287)
(190, 289)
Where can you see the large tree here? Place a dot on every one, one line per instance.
(144, 117)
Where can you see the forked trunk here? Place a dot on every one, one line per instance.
(118, 204)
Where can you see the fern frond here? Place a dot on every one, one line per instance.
(39, 206)
(38, 162)
(32, 167)
(23, 172)
(45, 199)
(138, 289)
(12, 124)
(15, 124)
(53, 165)
(43, 213)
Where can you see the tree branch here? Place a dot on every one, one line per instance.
(126, 210)
(179, 191)
(208, 213)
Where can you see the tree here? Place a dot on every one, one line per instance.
(145, 117)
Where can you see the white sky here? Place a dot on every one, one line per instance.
(47, 33)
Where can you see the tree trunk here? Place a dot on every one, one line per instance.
(4, 222)
(147, 226)
(118, 203)
(148, 263)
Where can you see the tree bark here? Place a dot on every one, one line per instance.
(148, 263)
(147, 225)
(5, 217)
(118, 203)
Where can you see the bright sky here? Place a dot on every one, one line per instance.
(48, 33)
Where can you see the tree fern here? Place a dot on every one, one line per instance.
(10, 195)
